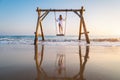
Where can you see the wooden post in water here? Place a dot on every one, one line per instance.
(82, 22)
(86, 33)
(80, 29)
(41, 29)
(39, 25)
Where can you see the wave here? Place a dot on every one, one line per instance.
(53, 40)
(109, 40)
(16, 39)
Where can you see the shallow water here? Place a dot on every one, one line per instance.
(59, 62)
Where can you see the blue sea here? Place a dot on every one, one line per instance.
(61, 40)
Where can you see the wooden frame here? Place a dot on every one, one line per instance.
(42, 13)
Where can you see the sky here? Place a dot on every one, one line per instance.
(19, 17)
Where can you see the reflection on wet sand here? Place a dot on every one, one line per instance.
(60, 63)
(39, 62)
(61, 68)
(83, 62)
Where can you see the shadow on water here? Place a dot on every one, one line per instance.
(42, 74)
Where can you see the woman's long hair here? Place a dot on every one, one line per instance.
(60, 17)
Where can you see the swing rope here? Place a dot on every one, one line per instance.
(55, 22)
(65, 23)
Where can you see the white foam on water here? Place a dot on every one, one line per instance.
(67, 41)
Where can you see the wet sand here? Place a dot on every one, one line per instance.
(46, 62)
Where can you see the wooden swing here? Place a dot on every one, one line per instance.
(42, 13)
(64, 29)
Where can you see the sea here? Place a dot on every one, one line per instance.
(60, 40)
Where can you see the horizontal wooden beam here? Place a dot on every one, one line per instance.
(84, 32)
(58, 10)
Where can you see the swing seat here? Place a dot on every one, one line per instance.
(60, 35)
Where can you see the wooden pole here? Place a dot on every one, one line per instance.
(44, 15)
(42, 34)
(40, 22)
(85, 30)
(36, 33)
(81, 22)
(58, 10)
(80, 29)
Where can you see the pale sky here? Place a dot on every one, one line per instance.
(102, 17)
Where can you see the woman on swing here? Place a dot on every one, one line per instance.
(60, 24)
